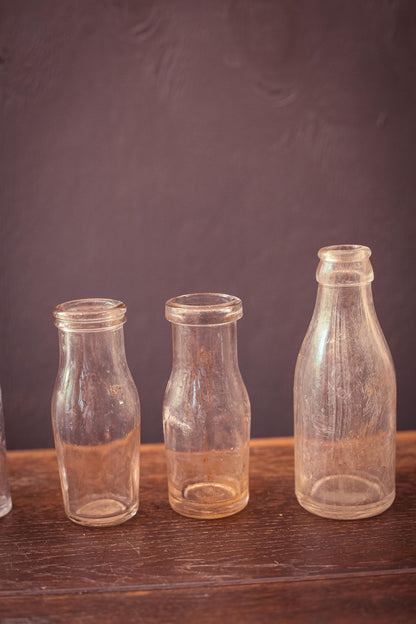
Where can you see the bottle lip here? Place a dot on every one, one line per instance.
(344, 265)
(344, 253)
(89, 314)
(203, 309)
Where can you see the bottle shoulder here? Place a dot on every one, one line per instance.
(335, 351)
(79, 386)
(197, 391)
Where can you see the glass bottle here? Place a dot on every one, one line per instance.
(345, 395)
(96, 414)
(206, 410)
(5, 498)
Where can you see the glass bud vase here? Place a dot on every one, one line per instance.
(206, 411)
(5, 498)
(345, 395)
(96, 414)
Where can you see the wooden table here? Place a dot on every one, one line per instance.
(273, 562)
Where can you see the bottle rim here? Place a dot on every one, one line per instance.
(203, 309)
(344, 253)
(90, 314)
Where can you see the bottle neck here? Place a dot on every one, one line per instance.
(209, 347)
(95, 349)
(352, 300)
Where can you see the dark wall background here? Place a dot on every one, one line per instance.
(153, 148)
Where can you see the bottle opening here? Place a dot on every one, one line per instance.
(204, 309)
(89, 314)
(344, 253)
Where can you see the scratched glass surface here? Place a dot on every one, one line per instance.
(96, 414)
(345, 395)
(206, 410)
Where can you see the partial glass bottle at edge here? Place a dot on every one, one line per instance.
(96, 414)
(345, 395)
(5, 498)
(206, 410)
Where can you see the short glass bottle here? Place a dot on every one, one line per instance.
(5, 498)
(206, 410)
(96, 414)
(345, 395)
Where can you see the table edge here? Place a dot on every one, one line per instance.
(159, 446)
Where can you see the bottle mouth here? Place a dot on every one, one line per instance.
(204, 309)
(344, 265)
(89, 314)
(344, 253)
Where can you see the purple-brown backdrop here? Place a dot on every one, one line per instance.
(153, 148)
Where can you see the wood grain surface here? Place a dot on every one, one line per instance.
(334, 601)
(273, 561)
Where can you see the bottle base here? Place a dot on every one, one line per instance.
(102, 512)
(208, 500)
(5, 505)
(345, 497)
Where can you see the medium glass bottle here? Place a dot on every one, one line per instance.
(96, 414)
(345, 395)
(5, 498)
(206, 410)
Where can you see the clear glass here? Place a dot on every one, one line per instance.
(345, 395)
(96, 414)
(206, 410)
(5, 498)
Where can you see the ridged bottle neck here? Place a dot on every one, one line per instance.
(344, 266)
(90, 315)
(91, 334)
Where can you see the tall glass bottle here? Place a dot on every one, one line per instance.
(5, 498)
(96, 414)
(345, 395)
(206, 410)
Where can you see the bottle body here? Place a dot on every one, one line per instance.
(345, 396)
(206, 411)
(5, 498)
(96, 415)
